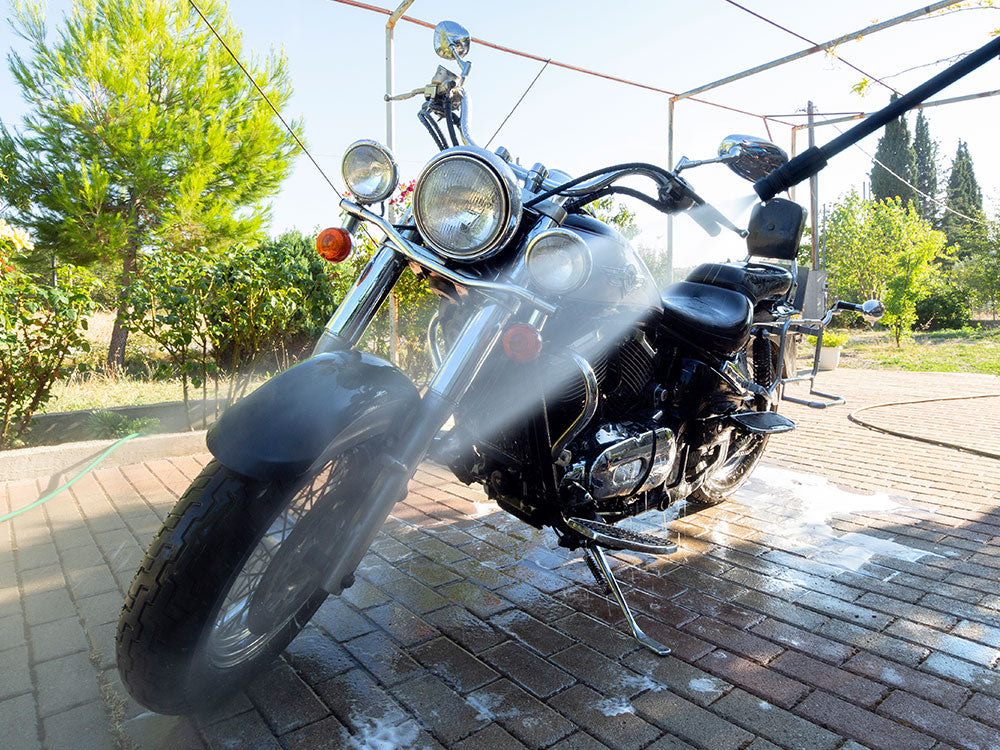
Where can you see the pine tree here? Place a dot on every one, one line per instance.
(926, 153)
(965, 197)
(142, 133)
(895, 151)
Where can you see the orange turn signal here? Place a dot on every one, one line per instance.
(522, 343)
(334, 244)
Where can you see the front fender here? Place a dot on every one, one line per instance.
(277, 431)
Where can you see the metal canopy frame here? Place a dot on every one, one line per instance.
(691, 94)
(853, 36)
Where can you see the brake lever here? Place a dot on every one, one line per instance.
(704, 214)
(429, 92)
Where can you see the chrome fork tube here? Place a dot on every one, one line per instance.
(460, 366)
(362, 301)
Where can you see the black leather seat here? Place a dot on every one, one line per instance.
(756, 280)
(708, 316)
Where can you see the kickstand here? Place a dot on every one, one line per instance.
(600, 563)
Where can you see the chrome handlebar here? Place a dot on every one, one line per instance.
(422, 257)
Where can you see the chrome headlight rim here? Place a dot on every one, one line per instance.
(573, 239)
(390, 159)
(510, 192)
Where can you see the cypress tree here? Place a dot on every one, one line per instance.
(965, 197)
(926, 152)
(895, 151)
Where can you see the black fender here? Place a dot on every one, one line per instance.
(279, 430)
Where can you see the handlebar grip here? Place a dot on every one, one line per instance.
(803, 166)
(849, 307)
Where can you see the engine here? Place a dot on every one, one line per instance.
(627, 460)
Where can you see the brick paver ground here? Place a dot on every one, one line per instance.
(799, 616)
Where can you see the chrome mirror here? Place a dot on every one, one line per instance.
(451, 40)
(872, 310)
(751, 157)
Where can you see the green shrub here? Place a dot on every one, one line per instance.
(830, 338)
(946, 306)
(40, 326)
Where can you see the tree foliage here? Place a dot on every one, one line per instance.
(965, 197)
(142, 133)
(881, 249)
(617, 214)
(895, 151)
(925, 152)
(980, 272)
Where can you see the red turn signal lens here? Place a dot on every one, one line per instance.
(334, 245)
(522, 343)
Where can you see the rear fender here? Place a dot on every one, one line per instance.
(329, 402)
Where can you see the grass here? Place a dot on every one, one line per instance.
(148, 377)
(964, 350)
(100, 391)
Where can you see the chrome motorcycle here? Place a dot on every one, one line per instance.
(574, 391)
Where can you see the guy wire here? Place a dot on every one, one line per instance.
(274, 109)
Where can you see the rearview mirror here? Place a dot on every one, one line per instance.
(451, 40)
(872, 310)
(751, 157)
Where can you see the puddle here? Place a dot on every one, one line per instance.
(812, 502)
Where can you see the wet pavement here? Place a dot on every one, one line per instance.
(846, 597)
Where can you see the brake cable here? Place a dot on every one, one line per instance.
(618, 170)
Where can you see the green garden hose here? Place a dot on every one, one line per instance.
(45, 498)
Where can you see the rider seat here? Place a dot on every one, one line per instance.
(708, 316)
(758, 281)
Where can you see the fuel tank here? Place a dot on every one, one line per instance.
(619, 278)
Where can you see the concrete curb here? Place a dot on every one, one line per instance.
(29, 463)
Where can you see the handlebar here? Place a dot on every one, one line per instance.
(674, 193)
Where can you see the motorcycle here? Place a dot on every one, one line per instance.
(566, 385)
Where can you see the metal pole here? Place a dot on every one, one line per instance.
(795, 151)
(390, 138)
(670, 219)
(868, 30)
(813, 196)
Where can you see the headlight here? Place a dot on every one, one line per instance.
(559, 261)
(466, 203)
(369, 171)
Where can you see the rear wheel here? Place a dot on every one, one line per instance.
(746, 450)
(228, 582)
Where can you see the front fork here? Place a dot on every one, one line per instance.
(450, 382)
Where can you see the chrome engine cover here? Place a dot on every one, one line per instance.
(647, 457)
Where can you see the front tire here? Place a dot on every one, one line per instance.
(221, 590)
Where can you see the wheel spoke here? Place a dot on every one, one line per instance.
(232, 641)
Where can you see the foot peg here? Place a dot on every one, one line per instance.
(599, 564)
(612, 537)
(762, 422)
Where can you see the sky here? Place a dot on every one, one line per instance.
(578, 123)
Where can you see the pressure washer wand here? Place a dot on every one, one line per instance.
(812, 160)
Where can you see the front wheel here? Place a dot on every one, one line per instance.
(230, 579)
